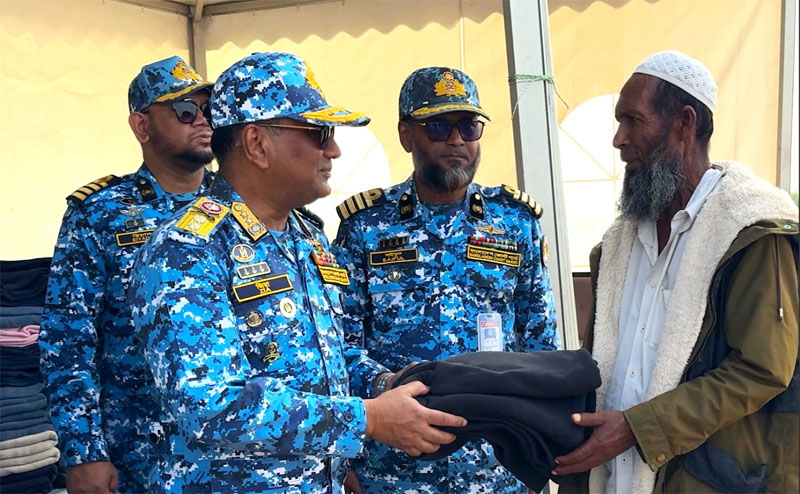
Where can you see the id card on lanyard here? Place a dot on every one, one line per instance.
(490, 332)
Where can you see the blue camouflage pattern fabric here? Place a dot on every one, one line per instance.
(415, 296)
(94, 373)
(263, 86)
(242, 335)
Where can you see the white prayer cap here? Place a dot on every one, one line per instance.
(684, 72)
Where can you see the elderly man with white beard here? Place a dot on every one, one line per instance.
(695, 327)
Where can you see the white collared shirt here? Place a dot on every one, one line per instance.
(648, 286)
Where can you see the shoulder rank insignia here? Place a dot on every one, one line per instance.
(249, 221)
(524, 198)
(204, 215)
(362, 200)
(101, 183)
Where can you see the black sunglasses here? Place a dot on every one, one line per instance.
(186, 110)
(325, 132)
(439, 130)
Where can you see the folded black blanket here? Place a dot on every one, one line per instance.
(24, 282)
(519, 402)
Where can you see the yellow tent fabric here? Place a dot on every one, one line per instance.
(65, 68)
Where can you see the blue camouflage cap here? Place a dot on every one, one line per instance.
(161, 81)
(271, 85)
(435, 90)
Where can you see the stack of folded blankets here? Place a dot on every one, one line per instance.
(28, 444)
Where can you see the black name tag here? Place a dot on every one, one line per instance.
(381, 258)
(262, 288)
(133, 238)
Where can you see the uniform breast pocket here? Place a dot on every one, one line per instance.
(398, 294)
(334, 298)
(493, 285)
(272, 336)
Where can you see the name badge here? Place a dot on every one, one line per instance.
(383, 257)
(490, 332)
(133, 238)
(337, 276)
(262, 288)
(495, 256)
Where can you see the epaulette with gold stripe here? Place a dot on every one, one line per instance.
(524, 198)
(92, 187)
(360, 201)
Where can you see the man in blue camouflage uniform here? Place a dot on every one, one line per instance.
(442, 266)
(237, 300)
(95, 380)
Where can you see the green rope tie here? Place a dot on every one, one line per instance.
(530, 78)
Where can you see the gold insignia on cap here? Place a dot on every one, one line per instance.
(449, 86)
(287, 307)
(273, 353)
(311, 80)
(254, 318)
(242, 253)
(183, 71)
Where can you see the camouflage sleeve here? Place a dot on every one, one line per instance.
(202, 376)
(534, 305)
(349, 250)
(69, 343)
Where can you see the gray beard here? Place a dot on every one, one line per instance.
(646, 193)
(441, 179)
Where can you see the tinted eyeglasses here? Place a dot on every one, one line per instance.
(439, 130)
(186, 110)
(325, 132)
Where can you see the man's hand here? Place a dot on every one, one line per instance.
(92, 478)
(397, 419)
(351, 484)
(612, 435)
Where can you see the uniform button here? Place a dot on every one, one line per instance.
(348, 417)
(642, 329)
(660, 458)
(624, 460)
(633, 373)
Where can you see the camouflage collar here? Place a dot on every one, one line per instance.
(408, 203)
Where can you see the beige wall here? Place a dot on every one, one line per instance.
(64, 72)
(597, 44)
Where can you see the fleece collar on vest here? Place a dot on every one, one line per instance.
(740, 200)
